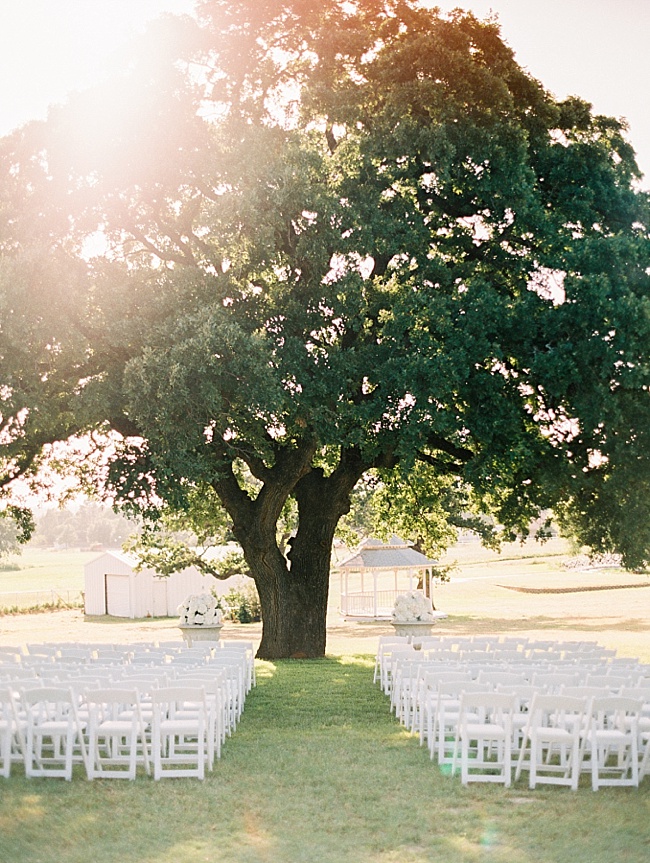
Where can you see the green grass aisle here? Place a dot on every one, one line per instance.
(318, 772)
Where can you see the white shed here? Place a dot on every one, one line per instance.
(113, 586)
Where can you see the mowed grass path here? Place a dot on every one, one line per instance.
(318, 772)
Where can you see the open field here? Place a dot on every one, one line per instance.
(484, 596)
(44, 576)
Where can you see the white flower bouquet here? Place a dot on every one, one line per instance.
(199, 610)
(413, 607)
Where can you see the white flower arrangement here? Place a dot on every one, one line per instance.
(412, 607)
(199, 610)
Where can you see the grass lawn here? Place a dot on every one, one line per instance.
(318, 772)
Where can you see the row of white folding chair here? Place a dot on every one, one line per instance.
(237, 674)
(81, 679)
(50, 718)
(12, 731)
(563, 736)
(114, 734)
(391, 662)
(406, 677)
(222, 703)
(412, 713)
(489, 643)
(181, 725)
(385, 647)
(224, 681)
(414, 700)
(218, 694)
(441, 712)
(399, 667)
(389, 650)
(523, 650)
(566, 735)
(234, 665)
(440, 697)
(248, 650)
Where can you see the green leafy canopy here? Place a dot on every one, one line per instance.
(336, 237)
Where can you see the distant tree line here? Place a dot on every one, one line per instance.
(89, 525)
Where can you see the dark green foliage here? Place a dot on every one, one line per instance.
(242, 604)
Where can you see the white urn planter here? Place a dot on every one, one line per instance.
(413, 616)
(414, 627)
(192, 632)
(200, 619)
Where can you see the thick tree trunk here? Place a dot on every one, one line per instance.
(295, 599)
(294, 592)
(294, 609)
(294, 589)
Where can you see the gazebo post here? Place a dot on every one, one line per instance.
(374, 595)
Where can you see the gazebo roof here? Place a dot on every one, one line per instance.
(394, 554)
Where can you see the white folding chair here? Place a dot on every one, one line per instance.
(644, 749)
(117, 733)
(400, 666)
(440, 708)
(216, 687)
(613, 741)
(55, 735)
(553, 740)
(553, 681)
(642, 692)
(390, 652)
(12, 732)
(484, 737)
(179, 732)
(407, 684)
(246, 648)
(234, 669)
(524, 694)
(501, 678)
(427, 694)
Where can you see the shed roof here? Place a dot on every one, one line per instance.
(128, 559)
(394, 554)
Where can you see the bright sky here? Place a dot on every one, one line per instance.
(597, 49)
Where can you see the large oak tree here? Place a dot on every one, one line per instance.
(318, 239)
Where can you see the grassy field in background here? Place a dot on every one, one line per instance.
(470, 552)
(46, 570)
(40, 569)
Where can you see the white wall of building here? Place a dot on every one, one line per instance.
(112, 586)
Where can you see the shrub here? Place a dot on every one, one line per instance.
(241, 604)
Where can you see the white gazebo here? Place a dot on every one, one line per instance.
(373, 577)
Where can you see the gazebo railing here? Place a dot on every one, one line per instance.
(368, 604)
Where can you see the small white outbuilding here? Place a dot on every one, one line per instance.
(113, 586)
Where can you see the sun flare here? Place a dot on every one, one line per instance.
(51, 49)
